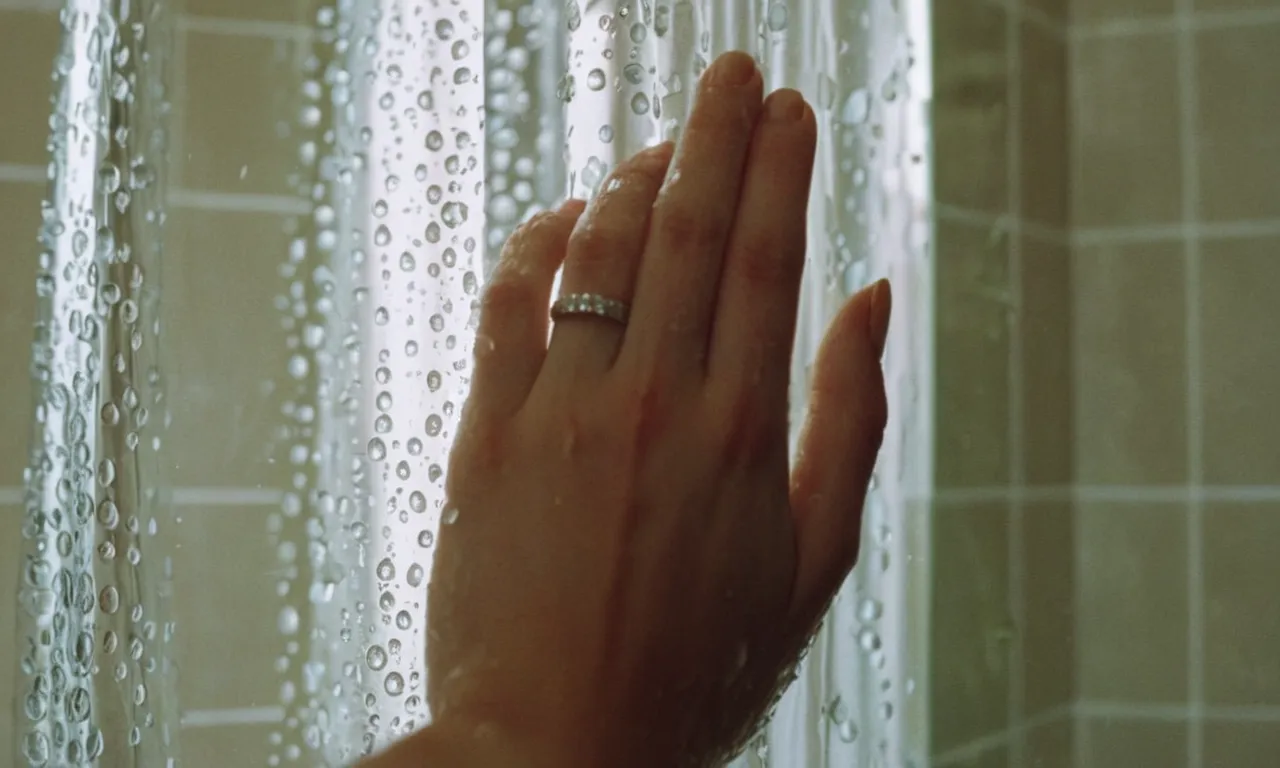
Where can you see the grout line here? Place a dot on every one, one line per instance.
(212, 25)
(1171, 232)
(1188, 96)
(1182, 19)
(227, 497)
(49, 6)
(1079, 737)
(1123, 494)
(1179, 494)
(1176, 232)
(1016, 429)
(1215, 20)
(178, 98)
(1044, 233)
(23, 174)
(1174, 712)
(233, 202)
(966, 753)
(188, 496)
(1058, 28)
(214, 718)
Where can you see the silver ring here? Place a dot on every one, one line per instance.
(590, 304)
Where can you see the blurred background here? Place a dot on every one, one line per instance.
(1105, 502)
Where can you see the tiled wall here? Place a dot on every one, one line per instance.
(1003, 586)
(1176, 216)
(1107, 479)
(225, 353)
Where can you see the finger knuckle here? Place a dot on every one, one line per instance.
(595, 247)
(506, 294)
(680, 227)
(742, 436)
(479, 451)
(646, 409)
(527, 235)
(635, 176)
(760, 261)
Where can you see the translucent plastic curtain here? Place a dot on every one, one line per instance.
(96, 683)
(430, 129)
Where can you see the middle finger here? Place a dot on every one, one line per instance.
(679, 276)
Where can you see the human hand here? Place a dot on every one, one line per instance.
(628, 569)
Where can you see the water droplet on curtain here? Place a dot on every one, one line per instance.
(394, 684)
(777, 17)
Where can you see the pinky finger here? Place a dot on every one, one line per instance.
(838, 451)
(511, 340)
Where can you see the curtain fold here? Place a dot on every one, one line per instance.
(96, 676)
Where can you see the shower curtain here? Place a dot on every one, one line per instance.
(429, 130)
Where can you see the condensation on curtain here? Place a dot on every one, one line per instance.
(428, 131)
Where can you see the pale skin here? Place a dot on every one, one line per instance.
(635, 564)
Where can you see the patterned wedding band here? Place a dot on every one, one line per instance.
(590, 304)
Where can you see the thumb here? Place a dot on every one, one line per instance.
(838, 448)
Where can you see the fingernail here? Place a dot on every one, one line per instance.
(732, 69)
(784, 106)
(881, 309)
(657, 156)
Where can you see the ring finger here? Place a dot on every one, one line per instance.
(603, 260)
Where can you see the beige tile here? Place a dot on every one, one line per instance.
(1058, 10)
(1051, 745)
(996, 756)
(971, 103)
(1087, 11)
(19, 227)
(10, 541)
(1241, 744)
(1048, 643)
(225, 574)
(971, 629)
(240, 745)
(225, 350)
(1044, 121)
(1136, 744)
(1237, 141)
(238, 90)
(1219, 6)
(1242, 617)
(1047, 397)
(1130, 352)
(972, 368)
(1127, 166)
(1132, 611)
(253, 10)
(1240, 370)
(28, 44)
